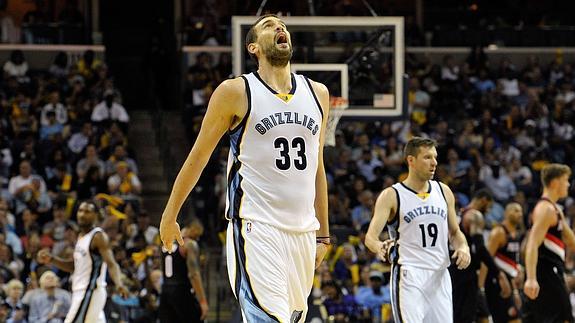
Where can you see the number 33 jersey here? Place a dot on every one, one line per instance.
(273, 157)
(420, 228)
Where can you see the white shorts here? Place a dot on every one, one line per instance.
(421, 295)
(271, 271)
(87, 306)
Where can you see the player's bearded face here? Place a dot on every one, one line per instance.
(275, 42)
(278, 51)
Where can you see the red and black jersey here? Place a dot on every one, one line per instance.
(552, 250)
(508, 256)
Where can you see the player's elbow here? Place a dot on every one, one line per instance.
(453, 233)
(570, 242)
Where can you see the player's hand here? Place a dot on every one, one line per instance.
(320, 251)
(44, 256)
(531, 288)
(205, 309)
(170, 232)
(384, 250)
(462, 257)
(519, 279)
(123, 291)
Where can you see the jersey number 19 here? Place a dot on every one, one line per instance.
(431, 231)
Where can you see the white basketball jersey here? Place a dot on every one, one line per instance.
(89, 267)
(420, 228)
(274, 156)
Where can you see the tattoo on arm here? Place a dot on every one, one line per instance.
(192, 260)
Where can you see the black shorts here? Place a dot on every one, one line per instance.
(552, 305)
(178, 304)
(465, 296)
(502, 310)
(482, 307)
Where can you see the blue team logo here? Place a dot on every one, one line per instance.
(248, 227)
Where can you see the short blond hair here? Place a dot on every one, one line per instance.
(14, 283)
(553, 171)
(47, 277)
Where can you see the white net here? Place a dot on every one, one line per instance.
(337, 107)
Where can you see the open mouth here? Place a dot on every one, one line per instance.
(281, 39)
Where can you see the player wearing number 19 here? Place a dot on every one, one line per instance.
(277, 190)
(420, 216)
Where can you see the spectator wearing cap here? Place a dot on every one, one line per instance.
(108, 110)
(14, 292)
(374, 295)
(124, 183)
(51, 303)
(120, 154)
(59, 110)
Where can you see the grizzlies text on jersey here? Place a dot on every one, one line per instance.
(420, 228)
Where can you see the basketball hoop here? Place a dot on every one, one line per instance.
(337, 107)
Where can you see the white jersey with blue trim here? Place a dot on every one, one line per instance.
(273, 157)
(89, 267)
(420, 227)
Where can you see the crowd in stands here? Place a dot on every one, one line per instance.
(63, 139)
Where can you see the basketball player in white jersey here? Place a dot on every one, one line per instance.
(277, 190)
(420, 215)
(92, 256)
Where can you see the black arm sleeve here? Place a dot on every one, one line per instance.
(483, 254)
